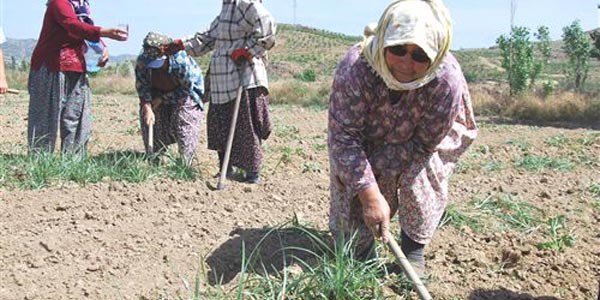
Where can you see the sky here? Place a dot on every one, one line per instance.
(477, 23)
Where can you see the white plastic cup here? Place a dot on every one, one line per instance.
(125, 27)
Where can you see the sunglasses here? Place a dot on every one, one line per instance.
(417, 55)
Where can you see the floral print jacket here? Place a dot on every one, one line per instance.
(375, 132)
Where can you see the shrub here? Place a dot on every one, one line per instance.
(299, 92)
(560, 107)
(548, 88)
(307, 76)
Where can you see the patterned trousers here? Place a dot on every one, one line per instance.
(59, 101)
(252, 127)
(175, 123)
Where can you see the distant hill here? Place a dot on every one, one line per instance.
(22, 49)
(117, 59)
(297, 46)
(300, 49)
(305, 51)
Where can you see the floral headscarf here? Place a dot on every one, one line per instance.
(425, 23)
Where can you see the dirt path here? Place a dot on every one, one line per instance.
(116, 240)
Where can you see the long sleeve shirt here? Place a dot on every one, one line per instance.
(183, 74)
(241, 24)
(61, 44)
(374, 131)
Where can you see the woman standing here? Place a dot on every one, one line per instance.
(240, 37)
(58, 85)
(400, 116)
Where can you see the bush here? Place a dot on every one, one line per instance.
(560, 107)
(472, 76)
(300, 93)
(548, 88)
(17, 79)
(307, 76)
(489, 99)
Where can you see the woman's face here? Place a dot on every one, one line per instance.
(406, 62)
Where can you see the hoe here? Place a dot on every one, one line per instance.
(236, 108)
(408, 270)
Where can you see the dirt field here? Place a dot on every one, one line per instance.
(116, 240)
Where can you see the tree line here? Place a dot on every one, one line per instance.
(525, 59)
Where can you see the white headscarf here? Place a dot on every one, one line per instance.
(425, 23)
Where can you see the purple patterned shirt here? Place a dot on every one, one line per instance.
(374, 131)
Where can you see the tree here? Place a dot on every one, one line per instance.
(13, 63)
(24, 66)
(544, 49)
(517, 59)
(595, 36)
(578, 47)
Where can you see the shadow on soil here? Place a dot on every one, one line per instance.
(264, 251)
(504, 294)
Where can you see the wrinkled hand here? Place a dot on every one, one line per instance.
(173, 47)
(148, 113)
(376, 212)
(240, 54)
(114, 33)
(104, 58)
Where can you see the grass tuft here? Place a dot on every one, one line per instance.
(459, 219)
(513, 212)
(558, 240)
(538, 164)
(40, 170)
(319, 269)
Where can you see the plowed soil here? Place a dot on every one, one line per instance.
(116, 240)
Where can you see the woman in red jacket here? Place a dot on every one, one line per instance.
(58, 86)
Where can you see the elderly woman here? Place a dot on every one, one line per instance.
(400, 116)
(243, 32)
(170, 89)
(58, 86)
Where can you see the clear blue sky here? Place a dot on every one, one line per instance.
(477, 23)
